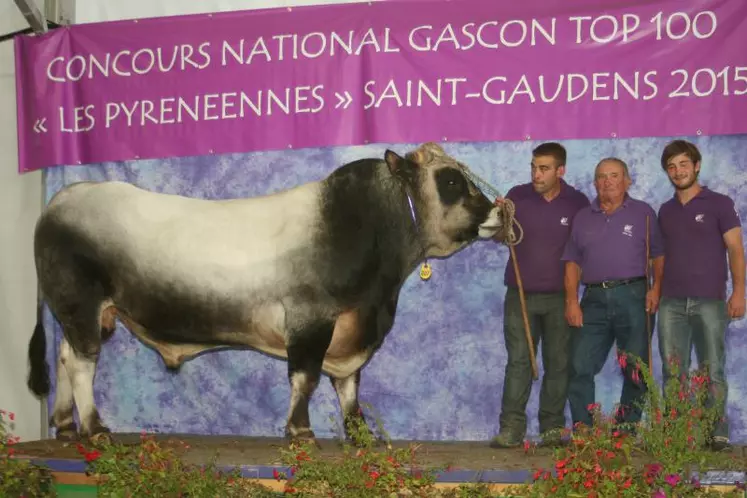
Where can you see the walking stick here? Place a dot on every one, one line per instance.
(648, 288)
(524, 314)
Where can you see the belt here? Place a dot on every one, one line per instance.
(609, 284)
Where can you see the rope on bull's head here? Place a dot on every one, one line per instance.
(508, 211)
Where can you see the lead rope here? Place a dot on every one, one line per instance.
(511, 239)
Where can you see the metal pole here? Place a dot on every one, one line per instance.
(33, 15)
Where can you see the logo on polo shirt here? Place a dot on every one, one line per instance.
(700, 218)
(628, 230)
(564, 221)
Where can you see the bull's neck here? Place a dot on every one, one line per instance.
(417, 252)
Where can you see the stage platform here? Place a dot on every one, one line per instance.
(465, 462)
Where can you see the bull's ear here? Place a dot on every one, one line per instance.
(394, 161)
(400, 166)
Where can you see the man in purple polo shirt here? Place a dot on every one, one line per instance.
(545, 208)
(700, 227)
(607, 252)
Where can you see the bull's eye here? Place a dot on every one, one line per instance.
(451, 185)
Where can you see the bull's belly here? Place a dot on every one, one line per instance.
(265, 332)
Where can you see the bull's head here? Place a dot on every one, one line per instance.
(451, 210)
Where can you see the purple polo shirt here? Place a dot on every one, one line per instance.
(613, 247)
(546, 225)
(695, 264)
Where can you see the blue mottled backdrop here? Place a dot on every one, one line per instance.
(440, 373)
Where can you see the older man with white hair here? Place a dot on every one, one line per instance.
(607, 252)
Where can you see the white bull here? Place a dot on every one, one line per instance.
(310, 275)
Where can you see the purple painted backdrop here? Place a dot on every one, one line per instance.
(560, 69)
(440, 372)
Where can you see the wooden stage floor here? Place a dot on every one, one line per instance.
(472, 461)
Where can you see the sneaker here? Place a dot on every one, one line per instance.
(507, 439)
(719, 443)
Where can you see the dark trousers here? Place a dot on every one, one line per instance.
(551, 332)
(609, 315)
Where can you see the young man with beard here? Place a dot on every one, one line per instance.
(545, 208)
(700, 227)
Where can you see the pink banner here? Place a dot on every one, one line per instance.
(385, 72)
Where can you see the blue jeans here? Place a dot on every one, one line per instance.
(610, 315)
(688, 322)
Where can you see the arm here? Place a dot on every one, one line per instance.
(735, 249)
(656, 254)
(571, 280)
(572, 277)
(573, 313)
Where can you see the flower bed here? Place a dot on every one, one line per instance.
(667, 459)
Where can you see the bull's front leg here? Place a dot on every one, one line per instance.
(306, 350)
(347, 394)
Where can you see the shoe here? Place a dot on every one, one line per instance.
(719, 443)
(553, 439)
(507, 439)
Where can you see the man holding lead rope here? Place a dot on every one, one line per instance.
(609, 250)
(544, 208)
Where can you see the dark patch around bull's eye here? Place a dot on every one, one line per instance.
(451, 185)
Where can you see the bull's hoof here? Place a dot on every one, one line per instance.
(99, 434)
(306, 437)
(67, 434)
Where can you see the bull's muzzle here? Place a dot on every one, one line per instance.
(493, 223)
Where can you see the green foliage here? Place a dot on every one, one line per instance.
(157, 469)
(19, 478)
(672, 443)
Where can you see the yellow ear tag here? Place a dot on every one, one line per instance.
(425, 271)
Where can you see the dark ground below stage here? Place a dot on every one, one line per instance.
(236, 450)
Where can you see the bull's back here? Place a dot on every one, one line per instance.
(236, 245)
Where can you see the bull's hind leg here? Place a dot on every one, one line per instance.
(62, 413)
(79, 352)
(81, 368)
(306, 350)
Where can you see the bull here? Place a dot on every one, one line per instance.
(310, 275)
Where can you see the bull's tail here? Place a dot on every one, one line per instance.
(38, 379)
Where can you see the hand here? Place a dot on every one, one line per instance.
(573, 314)
(736, 305)
(652, 301)
(498, 201)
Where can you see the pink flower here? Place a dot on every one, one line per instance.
(672, 479)
(659, 494)
(653, 469)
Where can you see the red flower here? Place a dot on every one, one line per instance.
(92, 456)
(11, 416)
(635, 376)
(276, 474)
(623, 361)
